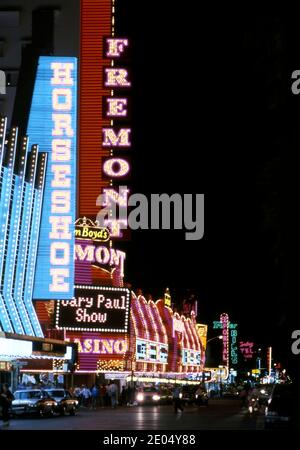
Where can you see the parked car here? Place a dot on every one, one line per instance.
(66, 403)
(279, 412)
(34, 401)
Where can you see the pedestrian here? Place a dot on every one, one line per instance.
(95, 396)
(102, 395)
(86, 395)
(6, 398)
(113, 393)
(123, 396)
(177, 399)
(78, 395)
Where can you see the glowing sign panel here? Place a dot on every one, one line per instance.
(225, 327)
(52, 124)
(102, 346)
(149, 351)
(95, 308)
(246, 348)
(191, 357)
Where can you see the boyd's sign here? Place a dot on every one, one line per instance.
(87, 229)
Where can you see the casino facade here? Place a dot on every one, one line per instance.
(69, 289)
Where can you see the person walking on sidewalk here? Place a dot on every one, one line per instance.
(113, 392)
(6, 398)
(177, 399)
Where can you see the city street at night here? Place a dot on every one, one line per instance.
(219, 415)
(148, 182)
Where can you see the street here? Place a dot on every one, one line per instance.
(219, 415)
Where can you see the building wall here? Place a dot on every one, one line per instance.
(17, 30)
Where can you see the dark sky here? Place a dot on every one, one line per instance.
(213, 113)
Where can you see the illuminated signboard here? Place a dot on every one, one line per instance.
(95, 26)
(52, 124)
(225, 333)
(116, 137)
(178, 325)
(202, 332)
(149, 351)
(95, 308)
(102, 346)
(87, 229)
(233, 334)
(246, 348)
(269, 360)
(191, 357)
(103, 106)
(200, 376)
(167, 298)
(100, 254)
(233, 346)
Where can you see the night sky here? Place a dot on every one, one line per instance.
(213, 113)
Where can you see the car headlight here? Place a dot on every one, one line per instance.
(156, 397)
(262, 391)
(140, 397)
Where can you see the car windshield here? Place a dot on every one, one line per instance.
(57, 393)
(30, 394)
(150, 389)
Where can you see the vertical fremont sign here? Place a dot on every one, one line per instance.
(52, 123)
(115, 167)
(104, 136)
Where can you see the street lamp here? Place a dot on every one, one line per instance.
(216, 337)
(209, 340)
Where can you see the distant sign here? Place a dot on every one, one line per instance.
(115, 376)
(246, 348)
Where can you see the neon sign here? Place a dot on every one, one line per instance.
(87, 229)
(115, 138)
(225, 332)
(191, 357)
(101, 255)
(246, 348)
(178, 325)
(167, 298)
(102, 346)
(95, 308)
(149, 351)
(233, 333)
(202, 332)
(233, 347)
(52, 123)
